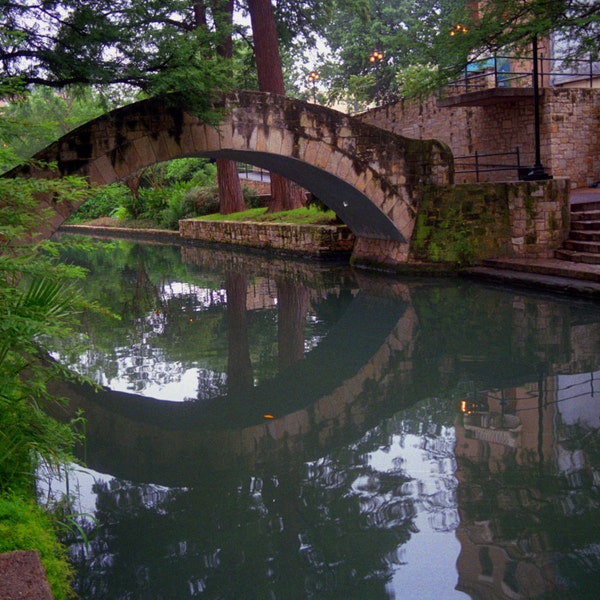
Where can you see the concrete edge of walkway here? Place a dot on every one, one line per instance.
(535, 281)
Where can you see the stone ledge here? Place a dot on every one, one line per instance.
(154, 235)
(313, 240)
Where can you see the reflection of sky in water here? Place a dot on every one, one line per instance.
(143, 367)
(428, 461)
(203, 297)
(575, 394)
(177, 389)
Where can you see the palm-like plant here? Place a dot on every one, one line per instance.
(37, 304)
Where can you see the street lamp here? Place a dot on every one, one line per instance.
(537, 171)
(313, 77)
(375, 58)
(458, 28)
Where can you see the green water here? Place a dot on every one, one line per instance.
(279, 429)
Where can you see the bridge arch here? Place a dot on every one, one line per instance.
(370, 177)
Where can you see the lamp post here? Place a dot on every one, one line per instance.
(537, 171)
(375, 58)
(458, 28)
(313, 77)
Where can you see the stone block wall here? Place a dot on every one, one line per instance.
(573, 122)
(468, 222)
(314, 240)
(569, 131)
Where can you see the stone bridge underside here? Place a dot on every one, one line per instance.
(370, 177)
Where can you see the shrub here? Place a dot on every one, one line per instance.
(103, 203)
(179, 205)
(202, 200)
(25, 526)
(251, 198)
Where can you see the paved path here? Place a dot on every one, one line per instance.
(546, 274)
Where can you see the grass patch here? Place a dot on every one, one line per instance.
(299, 216)
(25, 526)
(121, 223)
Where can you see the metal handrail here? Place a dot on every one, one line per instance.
(485, 167)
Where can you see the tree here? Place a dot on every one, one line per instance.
(284, 194)
(153, 46)
(513, 23)
(413, 34)
(404, 31)
(230, 189)
(31, 121)
(36, 306)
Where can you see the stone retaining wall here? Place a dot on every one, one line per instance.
(464, 223)
(314, 240)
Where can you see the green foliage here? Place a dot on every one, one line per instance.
(417, 80)
(33, 120)
(513, 23)
(199, 171)
(23, 526)
(104, 202)
(166, 194)
(411, 32)
(299, 216)
(37, 306)
(405, 31)
(148, 45)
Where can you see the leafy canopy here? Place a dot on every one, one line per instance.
(151, 45)
(415, 34)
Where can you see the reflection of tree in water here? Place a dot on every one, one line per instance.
(358, 518)
(331, 527)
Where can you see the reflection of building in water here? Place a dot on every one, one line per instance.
(524, 471)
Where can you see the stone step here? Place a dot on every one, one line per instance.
(587, 206)
(536, 281)
(589, 247)
(585, 225)
(578, 257)
(585, 215)
(584, 235)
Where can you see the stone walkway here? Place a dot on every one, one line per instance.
(546, 273)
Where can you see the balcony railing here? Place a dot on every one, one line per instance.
(517, 72)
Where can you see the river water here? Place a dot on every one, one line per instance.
(272, 428)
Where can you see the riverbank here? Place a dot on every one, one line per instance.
(319, 242)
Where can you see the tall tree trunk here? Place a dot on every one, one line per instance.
(292, 306)
(239, 367)
(231, 196)
(285, 195)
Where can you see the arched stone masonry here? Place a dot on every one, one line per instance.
(370, 177)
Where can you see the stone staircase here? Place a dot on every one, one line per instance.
(575, 268)
(583, 243)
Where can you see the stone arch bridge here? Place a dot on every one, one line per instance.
(370, 177)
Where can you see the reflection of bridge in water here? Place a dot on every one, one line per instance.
(393, 349)
(143, 439)
(386, 365)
